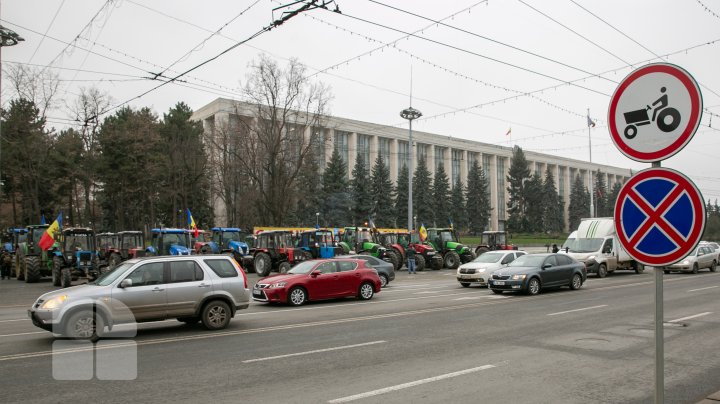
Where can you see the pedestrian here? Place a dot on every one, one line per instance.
(555, 248)
(5, 264)
(410, 252)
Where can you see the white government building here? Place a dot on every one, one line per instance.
(368, 140)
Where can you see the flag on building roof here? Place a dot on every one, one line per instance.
(422, 232)
(48, 238)
(191, 223)
(508, 132)
(591, 123)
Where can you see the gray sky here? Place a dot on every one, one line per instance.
(471, 77)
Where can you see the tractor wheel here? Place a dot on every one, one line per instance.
(419, 262)
(57, 264)
(284, 267)
(32, 269)
(114, 260)
(393, 259)
(205, 249)
(452, 260)
(20, 267)
(65, 277)
(398, 260)
(263, 264)
(481, 250)
(436, 264)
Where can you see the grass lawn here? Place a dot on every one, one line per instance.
(522, 239)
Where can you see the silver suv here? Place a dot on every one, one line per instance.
(190, 288)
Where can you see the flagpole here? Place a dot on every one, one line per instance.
(592, 196)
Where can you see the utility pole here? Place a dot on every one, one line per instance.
(592, 196)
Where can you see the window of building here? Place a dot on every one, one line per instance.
(384, 151)
(471, 158)
(561, 181)
(439, 156)
(501, 187)
(363, 149)
(456, 156)
(486, 169)
(341, 144)
(422, 152)
(317, 138)
(402, 156)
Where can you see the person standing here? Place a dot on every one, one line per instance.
(5, 264)
(555, 248)
(410, 252)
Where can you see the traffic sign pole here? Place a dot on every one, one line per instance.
(659, 333)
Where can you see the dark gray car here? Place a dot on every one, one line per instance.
(532, 272)
(191, 289)
(385, 270)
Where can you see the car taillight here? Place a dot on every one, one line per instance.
(241, 271)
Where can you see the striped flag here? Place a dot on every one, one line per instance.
(509, 131)
(48, 239)
(422, 232)
(191, 223)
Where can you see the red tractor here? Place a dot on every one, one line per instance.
(494, 240)
(130, 244)
(275, 250)
(425, 254)
(389, 240)
(107, 245)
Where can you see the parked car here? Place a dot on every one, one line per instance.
(319, 280)
(711, 244)
(189, 288)
(385, 270)
(481, 268)
(703, 256)
(532, 272)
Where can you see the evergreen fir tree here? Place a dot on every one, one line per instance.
(360, 191)
(600, 193)
(554, 219)
(441, 198)
(477, 200)
(458, 214)
(535, 203)
(401, 198)
(422, 194)
(337, 204)
(382, 193)
(518, 175)
(579, 203)
(612, 198)
(310, 198)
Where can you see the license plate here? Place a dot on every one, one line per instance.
(499, 283)
(257, 293)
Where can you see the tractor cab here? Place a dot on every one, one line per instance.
(494, 240)
(17, 236)
(319, 243)
(446, 242)
(107, 244)
(275, 250)
(228, 239)
(132, 244)
(166, 241)
(31, 262)
(360, 240)
(75, 256)
(430, 258)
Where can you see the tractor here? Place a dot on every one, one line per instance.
(359, 240)
(318, 243)
(494, 240)
(167, 241)
(107, 244)
(227, 240)
(275, 250)
(390, 241)
(17, 236)
(131, 244)
(75, 256)
(31, 262)
(446, 242)
(425, 254)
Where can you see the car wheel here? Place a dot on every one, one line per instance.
(497, 291)
(576, 282)
(639, 268)
(602, 271)
(216, 315)
(383, 280)
(695, 268)
(465, 284)
(284, 267)
(297, 296)
(366, 291)
(713, 267)
(452, 260)
(666, 271)
(188, 320)
(533, 287)
(84, 325)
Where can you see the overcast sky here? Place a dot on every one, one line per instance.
(471, 73)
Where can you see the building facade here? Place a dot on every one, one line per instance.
(357, 139)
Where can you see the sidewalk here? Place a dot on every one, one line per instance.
(711, 399)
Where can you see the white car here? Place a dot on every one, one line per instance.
(704, 256)
(481, 268)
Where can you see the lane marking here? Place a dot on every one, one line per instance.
(709, 287)
(15, 319)
(408, 385)
(313, 351)
(689, 317)
(482, 297)
(573, 311)
(23, 333)
(428, 292)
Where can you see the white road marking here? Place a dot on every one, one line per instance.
(482, 297)
(428, 292)
(709, 287)
(23, 333)
(313, 351)
(408, 385)
(15, 319)
(689, 317)
(572, 311)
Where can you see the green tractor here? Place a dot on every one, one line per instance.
(358, 240)
(446, 242)
(31, 262)
(75, 256)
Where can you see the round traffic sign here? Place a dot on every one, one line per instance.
(654, 112)
(659, 216)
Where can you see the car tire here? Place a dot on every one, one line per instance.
(666, 271)
(576, 282)
(383, 280)
(262, 264)
(65, 278)
(533, 287)
(56, 268)
(297, 296)
(451, 260)
(188, 320)
(465, 284)
(639, 268)
(695, 268)
(497, 291)
(84, 325)
(366, 291)
(216, 315)
(602, 271)
(284, 267)
(713, 267)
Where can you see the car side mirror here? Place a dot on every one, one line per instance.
(546, 266)
(125, 283)
(315, 273)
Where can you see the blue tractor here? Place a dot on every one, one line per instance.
(166, 241)
(75, 256)
(319, 243)
(228, 240)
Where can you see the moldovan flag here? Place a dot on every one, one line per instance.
(422, 232)
(47, 239)
(191, 223)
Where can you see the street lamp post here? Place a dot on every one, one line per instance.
(317, 220)
(410, 114)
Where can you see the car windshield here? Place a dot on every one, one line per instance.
(303, 267)
(110, 276)
(489, 257)
(584, 245)
(528, 260)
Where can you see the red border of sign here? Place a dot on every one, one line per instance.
(693, 123)
(696, 232)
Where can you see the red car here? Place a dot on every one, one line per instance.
(318, 280)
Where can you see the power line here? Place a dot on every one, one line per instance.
(708, 9)
(46, 31)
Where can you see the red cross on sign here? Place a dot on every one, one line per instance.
(659, 216)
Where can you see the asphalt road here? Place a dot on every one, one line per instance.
(423, 339)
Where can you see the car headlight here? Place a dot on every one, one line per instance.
(277, 285)
(686, 262)
(54, 303)
(590, 258)
(518, 277)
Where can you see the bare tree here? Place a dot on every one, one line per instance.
(32, 84)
